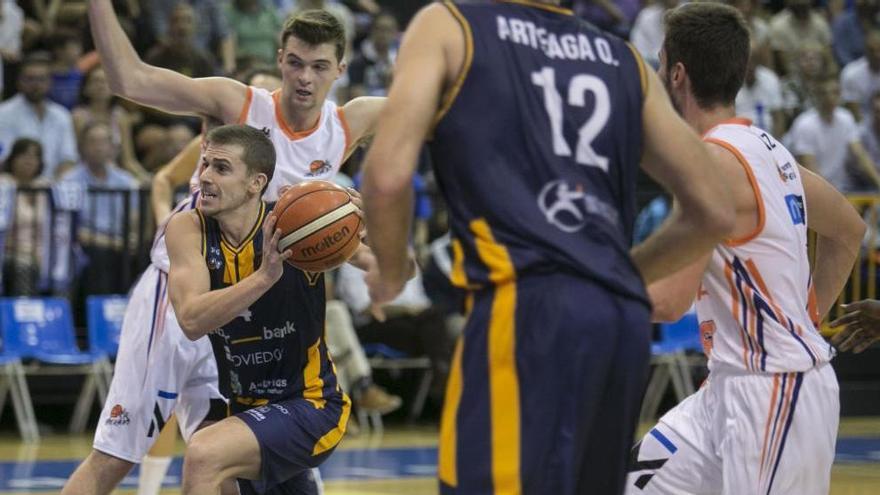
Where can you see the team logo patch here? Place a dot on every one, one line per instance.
(319, 167)
(795, 205)
(118, 416)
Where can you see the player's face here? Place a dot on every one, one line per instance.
(308, 71)
(225, 181)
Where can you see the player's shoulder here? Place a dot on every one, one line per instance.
(183, 222)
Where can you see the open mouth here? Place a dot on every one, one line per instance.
(303, 93)
(209, 195)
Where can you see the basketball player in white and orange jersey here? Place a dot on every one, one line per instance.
(765, 421)
(312, 138)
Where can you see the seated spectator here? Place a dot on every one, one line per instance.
(370, 72)
(31, 114)
(103, 225)
(861, 78)
(66, 75)
(26, 238)
(97, 104)
(178, 50)
(869, 130)
(411, 324)
(11, 26)
(648, 31)
(793, 26)
(826, 140)
(210, 34)
(760, 98)
(800, 87)
(255, 26)
(849, 28)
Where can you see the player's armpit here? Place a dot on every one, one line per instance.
(361, 115)
(839, 232)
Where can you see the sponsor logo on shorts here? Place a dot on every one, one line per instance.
(118, 416)
(261, 357)
(319, 167)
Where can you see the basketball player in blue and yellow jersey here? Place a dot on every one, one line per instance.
(265, 320)
(537, 123)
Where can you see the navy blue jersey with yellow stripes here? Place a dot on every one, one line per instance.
(537, 147)
(275, 349)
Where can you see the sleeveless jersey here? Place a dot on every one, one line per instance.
(314, 154)
(756, 304)
(537, 148)
(275, 349)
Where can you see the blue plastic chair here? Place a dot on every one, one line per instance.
(104, 315)
(13, 383)
(41, 329)
(678, 349)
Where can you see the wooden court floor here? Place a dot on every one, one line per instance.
(402, 461)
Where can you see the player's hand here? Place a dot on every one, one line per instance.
(273, 260)
(862, 321)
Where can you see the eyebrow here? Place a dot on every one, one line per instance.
(300, 59)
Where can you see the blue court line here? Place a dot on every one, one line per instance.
(349, 464)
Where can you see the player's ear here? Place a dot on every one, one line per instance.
(342, 68)
(677, 74)
(259, 182)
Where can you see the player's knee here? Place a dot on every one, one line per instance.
(203, 459)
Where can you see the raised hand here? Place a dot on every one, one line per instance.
(862, 321)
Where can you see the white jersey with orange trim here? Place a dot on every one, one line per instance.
(756, 304)
(313, 154)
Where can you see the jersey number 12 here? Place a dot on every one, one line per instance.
(577, 88)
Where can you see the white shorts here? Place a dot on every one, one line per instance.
(158, 371)
(744, 433)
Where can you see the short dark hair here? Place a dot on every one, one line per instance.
(35, 58)
(20, 147)
(315, 27)
(258, 152)
(711, 40)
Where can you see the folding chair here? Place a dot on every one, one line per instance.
(13, 383)
(381, 356)
(678, 350)
(42, 329)
(104, 315)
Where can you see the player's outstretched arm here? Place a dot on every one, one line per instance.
(419, 78)
(171, 176)
(167, 90)
(199, 309)
(839, 232)
(677, 159)
(362, 114)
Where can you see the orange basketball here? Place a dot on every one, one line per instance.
(319, 223)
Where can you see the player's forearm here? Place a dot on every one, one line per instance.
(202, 314)
(388, 211)
(120, 61)
(835, 257)
(161, 196)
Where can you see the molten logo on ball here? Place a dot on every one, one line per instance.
(326, 242)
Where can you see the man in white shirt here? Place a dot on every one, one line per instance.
(31, 114)
(760, 98)
(869, 130)
(860, 78)
(826, 138)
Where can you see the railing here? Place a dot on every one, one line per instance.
(65, 235)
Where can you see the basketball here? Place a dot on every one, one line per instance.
(319, 224)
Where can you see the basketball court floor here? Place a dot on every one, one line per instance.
(401, 461)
